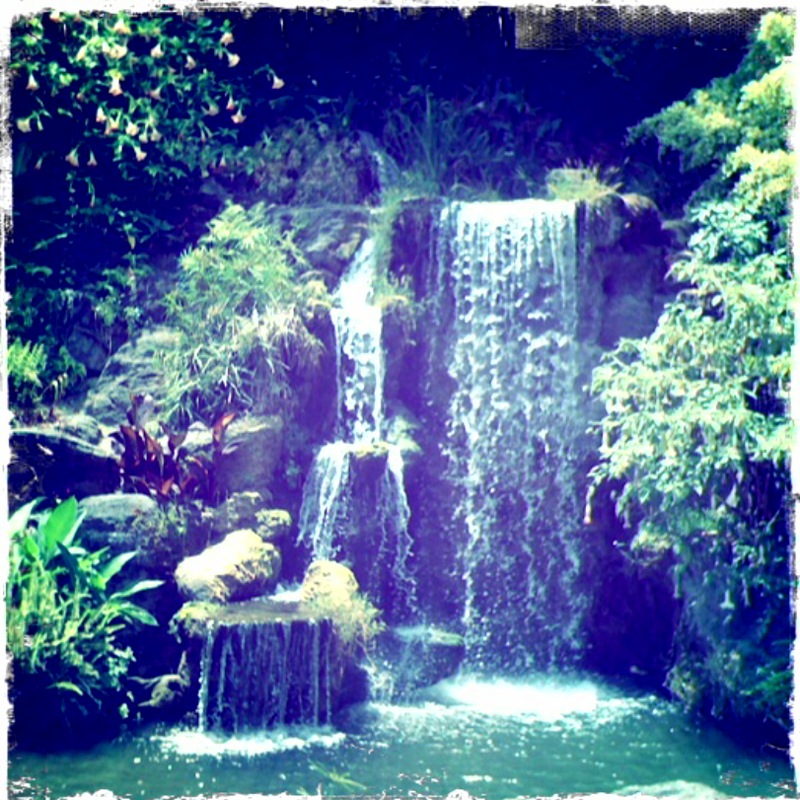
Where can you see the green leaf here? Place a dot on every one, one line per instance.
(18, 523)
(67, 686)
(112, 567)
(139, 586)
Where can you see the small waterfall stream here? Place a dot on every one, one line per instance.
(511, 268)
(354, 502)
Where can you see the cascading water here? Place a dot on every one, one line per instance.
(511, 268)
(354, 502)
(255, 675)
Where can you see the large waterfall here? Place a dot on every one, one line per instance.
(511, 271)
(354, 501)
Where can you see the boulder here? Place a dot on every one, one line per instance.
(328, 581)
(274, 524)
(119, 521)
(238, 511)
(132, 370)
(241, 566)
(251, 452)
(55, 464)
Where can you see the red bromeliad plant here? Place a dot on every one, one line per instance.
(163, 469)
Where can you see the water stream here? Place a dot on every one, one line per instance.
(354, 501)
(515, 416)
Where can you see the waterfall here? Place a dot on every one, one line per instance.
(255, 675)
(511, 269)
(354, 502)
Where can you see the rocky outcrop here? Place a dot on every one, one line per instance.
(132, 370)
(52, 463)
(120, 522)
(241, 566)
(252, 451)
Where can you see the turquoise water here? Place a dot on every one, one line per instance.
(496, 739)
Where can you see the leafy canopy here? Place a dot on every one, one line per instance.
(113, 114)
(696, 422)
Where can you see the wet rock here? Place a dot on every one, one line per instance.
(241, 566)
(274, 524)
(328, 582)
(329, 237)
(120, 521)
(55, 464)
(132, 370)
(240, 510)
(251, 452)
(417, 657)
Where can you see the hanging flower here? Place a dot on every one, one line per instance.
(38, 164)
(116, 87)
(277, 83)
(212, 110)
(157, 52)
(32, 84)
(101, 115)
(80, 97)
(132, 129)
(24, 124)
(121, 27)
(231, 105)
(144, 138)
(190, 63)
(118, 51)
(140, 154)
(72, 157)
(92, 160)
(238, 118)
(155, 93)
(226, 38)
(155, 135)
(81, 54)
(233, 59)
(222, 162)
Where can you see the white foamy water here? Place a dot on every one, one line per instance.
(278, 740)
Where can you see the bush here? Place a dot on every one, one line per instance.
(697, 421)
(240, 310)
(66, 627)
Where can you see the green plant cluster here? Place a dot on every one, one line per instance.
(489, 143)
(108, 109)
(589, 183)
(65, 625)
(241, 308)
(697, 422)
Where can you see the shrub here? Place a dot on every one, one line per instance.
(65, 625)
(240, 311)
(697, 424)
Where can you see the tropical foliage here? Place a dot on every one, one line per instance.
(242, 281)
(697, 422)
(107, 109)
(66, 619)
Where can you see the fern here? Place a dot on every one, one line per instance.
(26, 363)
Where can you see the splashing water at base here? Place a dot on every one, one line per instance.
(495, 738)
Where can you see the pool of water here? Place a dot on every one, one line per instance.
(496, 739)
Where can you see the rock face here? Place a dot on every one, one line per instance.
(55, 464)
(241, 566)
(133, 369)
(119, 521)
(252, 450)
